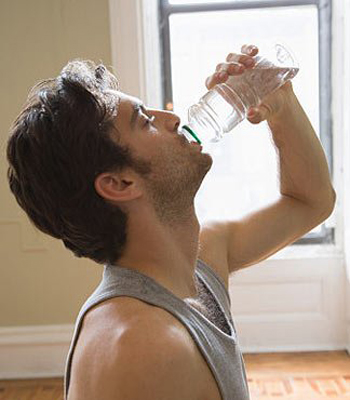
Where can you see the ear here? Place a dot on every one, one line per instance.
(114, 186)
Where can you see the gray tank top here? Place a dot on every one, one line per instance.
(217, 341)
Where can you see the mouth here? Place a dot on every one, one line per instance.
(196, 144)
(185, 141)
(188, 135)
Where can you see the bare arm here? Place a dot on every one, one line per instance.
(304, 173)
(307, 195)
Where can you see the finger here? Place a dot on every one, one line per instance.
(246, 60)
(216, 78)
(231, 68)
(249, 49)
(219, 67)
(253, 116)
(223, 71)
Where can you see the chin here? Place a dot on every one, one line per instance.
(208, 159)
(205, 165)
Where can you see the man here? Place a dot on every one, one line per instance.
(115, 181)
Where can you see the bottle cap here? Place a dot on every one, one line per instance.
(190, 131)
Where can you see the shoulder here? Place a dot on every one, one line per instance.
(150, 360)
(148, 357)
(213, 248)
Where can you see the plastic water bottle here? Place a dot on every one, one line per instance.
(227, 104)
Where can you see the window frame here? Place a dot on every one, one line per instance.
(324, 9)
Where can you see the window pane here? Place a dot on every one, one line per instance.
(244, 175)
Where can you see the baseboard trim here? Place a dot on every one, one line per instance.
(39, 334)
(292, 348)
(40, 351)
(34, 351)
(348, 337)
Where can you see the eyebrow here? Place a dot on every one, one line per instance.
(135, 111)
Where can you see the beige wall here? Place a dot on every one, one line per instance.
(40, 281)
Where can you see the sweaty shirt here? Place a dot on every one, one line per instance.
(217, 341)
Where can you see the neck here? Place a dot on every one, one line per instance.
(168, 254)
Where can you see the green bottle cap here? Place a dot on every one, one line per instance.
(190, 131)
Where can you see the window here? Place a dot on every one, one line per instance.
(195, 36)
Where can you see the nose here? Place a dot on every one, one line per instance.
(168, 119)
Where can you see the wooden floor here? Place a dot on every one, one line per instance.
(299, 376)
(294, 376)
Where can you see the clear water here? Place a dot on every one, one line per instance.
(254, 84)
(226, 105)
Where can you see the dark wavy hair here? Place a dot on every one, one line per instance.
(59, 143)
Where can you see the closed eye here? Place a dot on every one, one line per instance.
(149, 120)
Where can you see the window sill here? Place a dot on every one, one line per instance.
(309, 251)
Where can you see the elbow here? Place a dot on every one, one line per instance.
(333, 199)
(334, 196)
(330, 204)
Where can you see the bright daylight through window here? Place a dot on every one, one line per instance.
(244, 176)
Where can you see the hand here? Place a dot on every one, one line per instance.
(272, 105)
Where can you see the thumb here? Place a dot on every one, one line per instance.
(259, 113)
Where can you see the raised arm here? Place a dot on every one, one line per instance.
(307, 196)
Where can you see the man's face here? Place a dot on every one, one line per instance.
(177, 166)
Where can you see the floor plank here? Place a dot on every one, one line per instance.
(299, 376)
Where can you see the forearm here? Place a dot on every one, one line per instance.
(304, 172)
